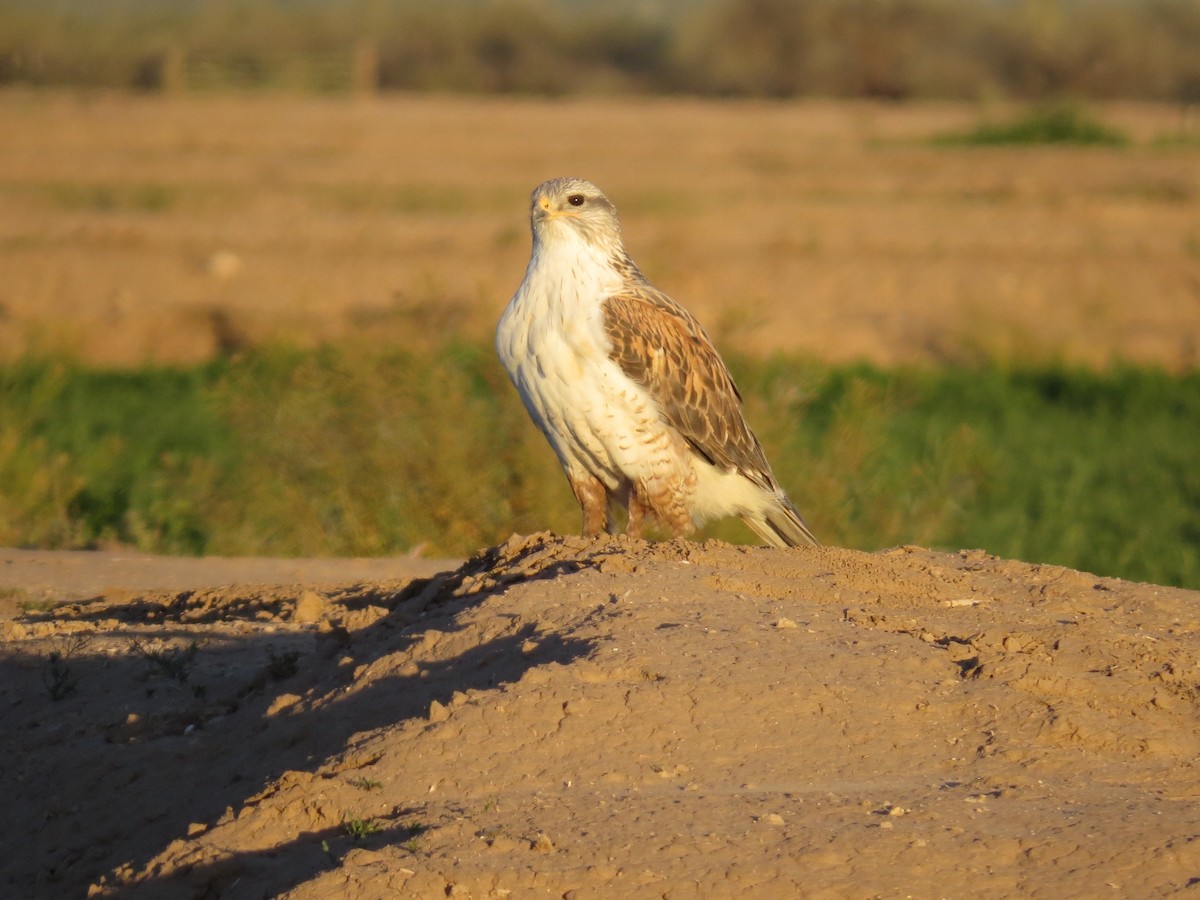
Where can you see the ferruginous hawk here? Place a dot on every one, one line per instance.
(627, 387)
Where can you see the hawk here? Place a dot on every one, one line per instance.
(627, 387)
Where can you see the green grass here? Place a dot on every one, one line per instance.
(357, 829)
(354, 450)
(76, 196)
(121, 456)
(1048, 124)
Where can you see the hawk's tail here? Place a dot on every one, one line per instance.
(781, 526)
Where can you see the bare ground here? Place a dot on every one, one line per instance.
(565, 717)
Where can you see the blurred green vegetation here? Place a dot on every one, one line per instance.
(356, 450)
(895, 49)
(1054, 123)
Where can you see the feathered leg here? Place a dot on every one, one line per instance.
(594, 501)
(637, 514)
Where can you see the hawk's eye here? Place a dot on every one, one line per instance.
(575, 199)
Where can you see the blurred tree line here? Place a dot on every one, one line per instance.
(896, 49)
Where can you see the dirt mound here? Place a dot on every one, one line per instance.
(573, 717)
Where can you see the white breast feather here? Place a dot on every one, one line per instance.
(551, 339)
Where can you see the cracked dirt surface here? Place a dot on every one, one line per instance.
(571, 717)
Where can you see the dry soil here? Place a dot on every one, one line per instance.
(565, 717)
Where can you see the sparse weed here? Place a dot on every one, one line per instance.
(357, 829)
(59, 679)
(282, 665)
(31, 605)
(174, 663)
(23, 600)
(1178, 140)
(366, 784)
(415, 830)
(73, 196)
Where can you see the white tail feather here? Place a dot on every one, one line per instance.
(781, 526)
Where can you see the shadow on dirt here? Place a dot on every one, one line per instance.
(128, 725)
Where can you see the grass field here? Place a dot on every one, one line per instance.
(358, 451)
(261, 324)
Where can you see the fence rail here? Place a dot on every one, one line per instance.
(176, 71)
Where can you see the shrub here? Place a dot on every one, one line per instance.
(1051, 124)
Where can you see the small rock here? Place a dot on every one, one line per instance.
(542, 843)
(360, 856)
(784, 623)
(773, 819)
(223, 264)
(309, 608)
(615, 565)
(438, 712)
(131, 729)
(282, 702)
(196, 828)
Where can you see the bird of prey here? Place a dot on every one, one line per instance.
(627, 387)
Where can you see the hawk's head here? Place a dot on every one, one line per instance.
(571, 207)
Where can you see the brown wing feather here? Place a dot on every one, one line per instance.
(658, 344)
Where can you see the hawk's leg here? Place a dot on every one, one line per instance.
(669, 508)
(592, 497)
(637, 513)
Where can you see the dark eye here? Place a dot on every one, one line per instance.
(575, 199)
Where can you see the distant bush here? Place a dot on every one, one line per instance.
(893, 49)
(1054, 124)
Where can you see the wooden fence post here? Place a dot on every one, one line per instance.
(172, 77)
(365, 73)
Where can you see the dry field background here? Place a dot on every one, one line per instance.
(171, 229)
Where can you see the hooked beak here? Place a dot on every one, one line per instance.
(543, 210)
